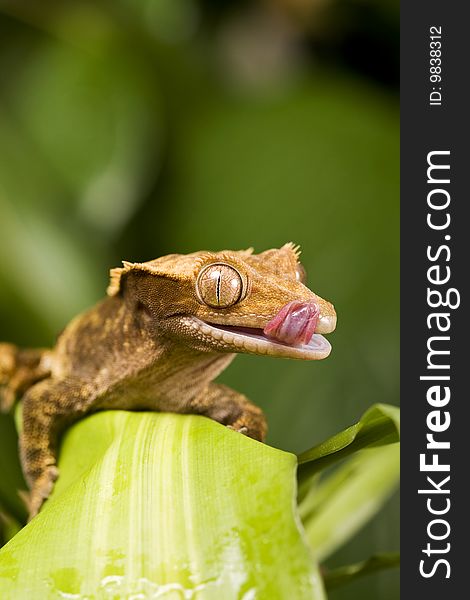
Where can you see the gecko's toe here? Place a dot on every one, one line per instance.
(41, 490)
(243, 429)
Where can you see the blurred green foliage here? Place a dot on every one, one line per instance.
(129, 130)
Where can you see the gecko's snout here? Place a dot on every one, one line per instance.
(295, 323)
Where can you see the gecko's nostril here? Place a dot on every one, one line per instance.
(295, 323)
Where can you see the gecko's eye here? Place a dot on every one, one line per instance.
(219, 285)
(301, 274)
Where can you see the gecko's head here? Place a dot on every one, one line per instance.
(230, 301)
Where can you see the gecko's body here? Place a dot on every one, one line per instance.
(167, 328)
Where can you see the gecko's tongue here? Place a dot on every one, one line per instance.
(295, 323)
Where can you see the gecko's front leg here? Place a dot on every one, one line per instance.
(230, 408)
(48, 407)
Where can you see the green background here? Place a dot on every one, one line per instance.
(129, 130)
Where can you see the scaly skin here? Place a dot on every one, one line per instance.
(166, 330)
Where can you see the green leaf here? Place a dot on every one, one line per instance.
(343, 575)
(151, 503)
(378, 426)
(334, 510)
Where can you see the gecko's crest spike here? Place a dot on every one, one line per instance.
(115, 276)
(114, 281)
(202, 259)
(295, 248)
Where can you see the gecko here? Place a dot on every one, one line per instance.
(166, 329)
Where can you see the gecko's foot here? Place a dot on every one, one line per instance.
(19, 370)
(252, 425)
(7, 368)
(41, 490)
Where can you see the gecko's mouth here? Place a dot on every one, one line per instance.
(252, 340)
(294, 332)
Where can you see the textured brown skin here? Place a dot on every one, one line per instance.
(134, 351)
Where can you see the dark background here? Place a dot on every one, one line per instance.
(129, 130)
